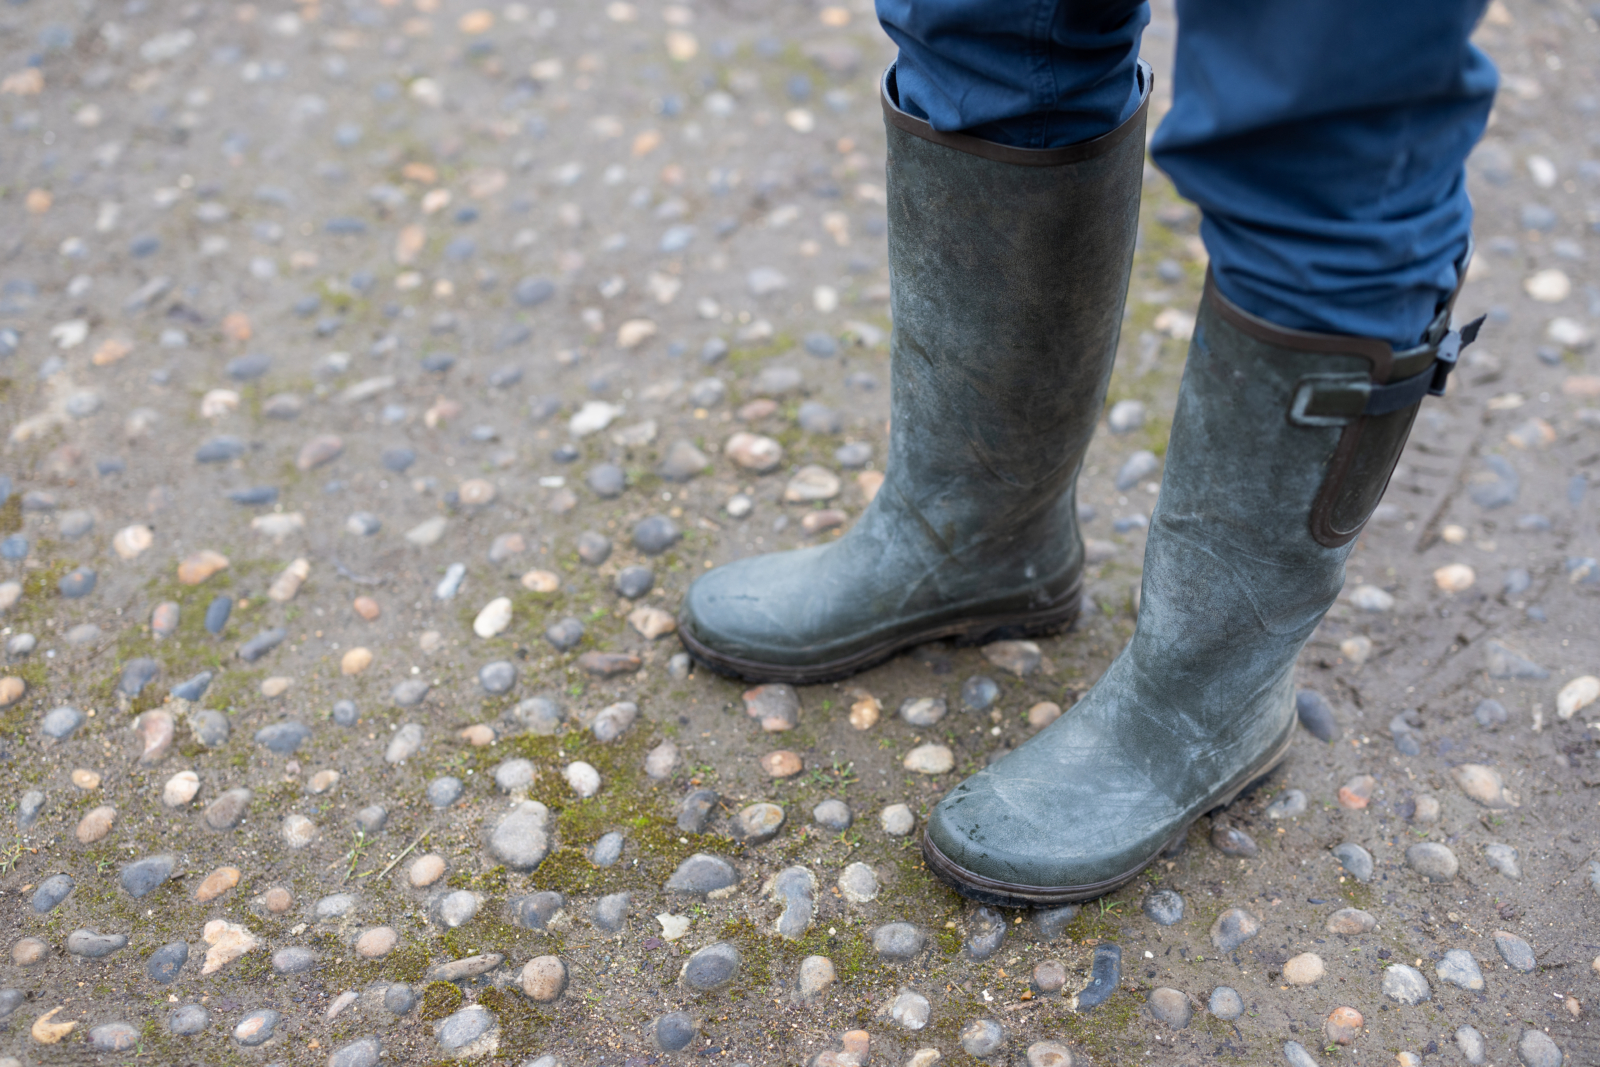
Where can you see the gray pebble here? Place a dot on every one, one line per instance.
(635, 582)
(539, 715)
(979, 692)
(363, 524)
(136, 674)
(1104, 974)
(10, 1001)
(520, 840)
(1536, 1049)
(535, 910)
(1139, 466)
(399, 998)
(372, 818)
(696, 809)
(29, 807)
(1433, 861)
(1474, 1049)
(1290, 803)
(607, 481)
(607, 850)
(113, 1037)
(1226, 1003)
(464, 1027)
(654, 535)
(283, 737)
(514, 774)
(455, 909)
(678, 666)
(1315, 715)
(74, 524)
(987, 931)
(1490, 714)
(92, 945)
(444, 791)
(52, 891)
(758, 823)
(982, 1037)
(404, 743)
(611, 912)
(816, 417)
(796, 888)
(911, 1010)
(564, 634)
(707, 392)
(140, 877)
(673, 1031)
(193, 689)
(1517, 953)
(1164, 907)
(76, 583)
(834, 815)
(226, 812)
(293, 959)
(899, 941)
(362, 1053)
(1405, 984)
(614, 720)
(217, 614)
(189, 1019)
(60, 723)
(712, 967)
(702, 873)
(853, 455)
(1459, 969)
(1504, 859)
(463, 969)
(1051, 921)
(211, 728)
(333, 906)
(594, 548)
(1232, 841)
(261, 644)
(1171, 1006)
(165, 962)
(1295, 1054)
(923, 711)
(1356, 860)
(682, 462)
(1233, 928)
(450, 584)
(497, 677)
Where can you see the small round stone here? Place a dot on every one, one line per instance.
(426, 870)
(464, 1027)
(1459, 969)
(293, 960)
(1290, 803)
(982, 1037)
(278, 900)
(1304, 969)
(445, 791)
(898, 941)
(758, 823)
(1232, 841)
(377, 942)
(1343, 1026)
(1433, 861)
(911, 1010)
(497, 677)
(298, 831)
(514, 774)
(189, 1019)
(1049, 976)
(930, 759)
(28, 951)
(673, 1031)
(1171, 1006)
(1405, 984)
(1045, 1054)
(897, 820)
(979, 693)
(712, 967)
(455, 909)
(113, 1037)
(583, 778)
(923, 711)
(858, 883)
(256, 1028)
(544, 979)
(635, 582)
(833, 815)
(1536, 1049)
(1351, 921)
(1164, 906)
(1226, 1003)
(607, 850)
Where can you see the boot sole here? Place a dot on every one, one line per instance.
(1011, 895)
(972, 631)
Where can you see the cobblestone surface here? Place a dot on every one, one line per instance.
(376, 376)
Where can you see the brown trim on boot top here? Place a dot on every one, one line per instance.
(1003, 153)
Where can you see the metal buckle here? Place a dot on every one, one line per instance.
(1326, 388)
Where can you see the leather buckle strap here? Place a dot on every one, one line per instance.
(1336, 399)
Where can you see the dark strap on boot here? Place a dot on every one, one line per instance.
(1335, 399)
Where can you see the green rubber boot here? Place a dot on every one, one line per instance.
(1008, 271)
(1281, 446)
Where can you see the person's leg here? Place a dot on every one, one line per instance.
(1324, 144)
(1335, 213)
(1008, 268)
(1031, 74)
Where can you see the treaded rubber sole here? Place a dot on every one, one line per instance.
(1011, 895)
(970, 631)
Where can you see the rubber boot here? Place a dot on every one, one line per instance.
(1281, 447)
(1008, 272)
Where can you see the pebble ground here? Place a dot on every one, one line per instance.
(376, 376)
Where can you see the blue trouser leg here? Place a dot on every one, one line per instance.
(1323, 142)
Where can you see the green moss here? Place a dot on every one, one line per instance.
(766, 957)
(522, 1026)
(11, 514)
(1104, 1031)
(440, 999)
(408, 963)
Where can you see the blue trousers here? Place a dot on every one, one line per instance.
(1324, 142)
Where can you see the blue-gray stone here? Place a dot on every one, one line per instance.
(1315, 715)
(607, 850)
(261, 644)
(136, 674)
(1226, 1003)
(217, 613)
(399, 998)
(94, 946)
(464, 1027)
(283, 737)
(10, 1001)
(673, 1031)
(635, 582)
(189, 1019)
(611, 912)
(264, 1021)
(535, 910)
(362, 1053)
(398, 459)
(531, 291)
(1496, 485)
(988, 932)
(497, 677)
(28, 808)
(443, 792)
(1164, 906)
(372, 818)
(655, 535)
(899, 941)
(60, 723)
(817, 417)
(853, 455)
(564, 634)
(978, 693)
(1104, 974)
(255, 496)
(141, 877)
(1139, 466)
(696, 809)
(78, 582)
(52, 891)
(211, 727)
(165, 962)
(1356, 860)
(14, 548)
(594, 548)
(344, 712)
(293, 959)
(116, 1036)
(220, 450)
(194, 688)
(607, 481)
(712, 967)
(820, 344)
(1051, 921)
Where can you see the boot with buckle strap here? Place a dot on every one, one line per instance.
(1008, 272)
(1281, 447)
